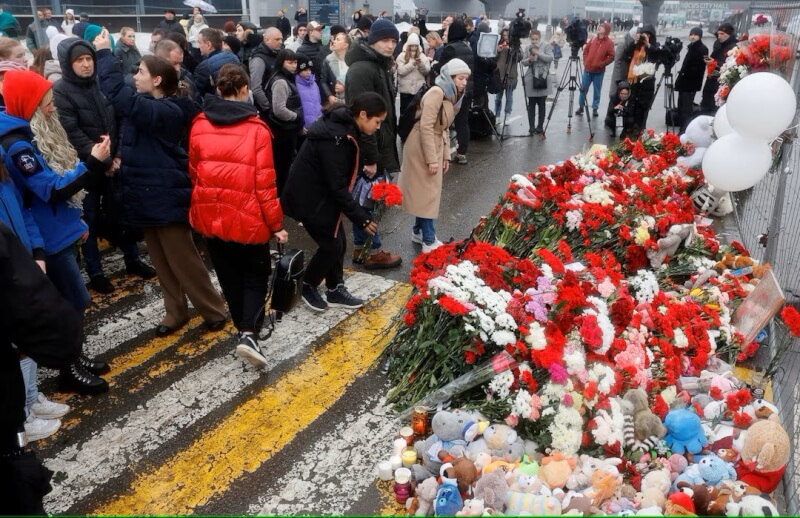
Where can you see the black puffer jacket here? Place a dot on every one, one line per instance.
(249, 46)
(84, 111)
(317, 192)
(458, 47)
(371, 72)
(690, 78)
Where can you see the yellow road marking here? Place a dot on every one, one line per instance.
(263, 425)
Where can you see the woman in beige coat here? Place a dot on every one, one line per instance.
(426, 153)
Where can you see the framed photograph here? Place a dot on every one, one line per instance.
(756, 310)
(487, 45)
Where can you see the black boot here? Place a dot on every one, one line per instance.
(96, 367)
(139, 268)
(77, 379)
(101, 284)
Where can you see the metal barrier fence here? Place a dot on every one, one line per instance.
(768, 219)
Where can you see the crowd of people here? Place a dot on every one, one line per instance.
(221, 133)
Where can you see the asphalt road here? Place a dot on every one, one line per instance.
(188, 428)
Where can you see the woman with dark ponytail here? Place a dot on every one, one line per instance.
(235, 201)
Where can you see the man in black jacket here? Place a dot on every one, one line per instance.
(283, 24)
(87, 115)
(43, 326)
(458, 47)
(371, 71)
(170, 23)
(312, 47)
(690, 78)
(262, 65)
(726, 40)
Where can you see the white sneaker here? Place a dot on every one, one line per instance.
(416, 237)
(433, 246)
(36, 428)
(46, 409)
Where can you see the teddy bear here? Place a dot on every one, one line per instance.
(481, 460)
(604, 486)
(657, 479)
(701, 497)
(581, 477)
(685, 433)
(492, 489)
(422, 503)
(714, 470)
(528, 504)
(499, 438)
(645, 423)
(669, 244)
(472, 507)
(763, 408)
(526, 483)
(448, 434)
(700, 133)
(556, 469)
(729, 491)
(751, 505)
(764, 454)
(460, 468)
(718, 385)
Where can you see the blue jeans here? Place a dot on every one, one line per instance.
(28, 368)
(360, 237)
(426, 225)
(596, 79)
(91, 254)
(498, 101)
(64, 272)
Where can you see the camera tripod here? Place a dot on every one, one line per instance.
(669, 97)
(514, 61)
(569, 80)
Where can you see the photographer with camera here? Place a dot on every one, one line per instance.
(639, 58)
(690, 78)
(598, 53)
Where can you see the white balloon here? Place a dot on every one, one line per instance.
(735, 162)
(762, 105)
(721, 125)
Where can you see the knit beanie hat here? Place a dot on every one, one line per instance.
(77, 50)
(456, 31)
(303, 62)
(23, 90)
(364, 23)
(234, 43)
(726, 28)
(92, 31)
(413, 39)
(696, 31)
(383, 29)
(455, 67)
(337, 29)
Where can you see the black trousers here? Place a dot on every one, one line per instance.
(533, 104)
(708, 103)
(461, 124)
(404, 100)
(284, 143)
(328, 261)
(686, 108)
(243, 272)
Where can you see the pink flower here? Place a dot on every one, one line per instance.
(512, 420)
(567, 400)
(558, 373)
(536, 407)
(606, 288)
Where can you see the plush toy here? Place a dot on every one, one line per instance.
(700, 133)
(763, 408)
(473, 507)
(576, 504)
(685, 432)
(618, 505)
(650, 497)
(701, 497)
(677, 464)
(499, 465)
(492, 489)
(556, 469)
(645, 423)
(499, 438)
(752, 505)
(679, 504)
(669, 244)
(481, 460)
(764, 455)
(448, 500)
(714, 470)
(604, 485)
(717, 385)
(527, 504)
(422, 503)
(657, 479)
(650, 511)
(449, 430)
(529, 466)
(581, 477)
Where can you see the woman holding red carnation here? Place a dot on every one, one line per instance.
(426, 153)
(317, 194)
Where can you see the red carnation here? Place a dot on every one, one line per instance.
(792, 319)
(388, 193)
(661, 408)
(452, 306)
(590, 332)
(742, 419)
(410, 319)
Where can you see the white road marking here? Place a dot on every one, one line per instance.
(123, 443)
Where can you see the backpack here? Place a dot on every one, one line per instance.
(409, 117)
(556, 51)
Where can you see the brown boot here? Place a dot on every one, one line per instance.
(382, 260)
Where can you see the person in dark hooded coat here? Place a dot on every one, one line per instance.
(642, 50)
(726, 40)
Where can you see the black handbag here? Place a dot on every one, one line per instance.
(539, 83)
(287, 280)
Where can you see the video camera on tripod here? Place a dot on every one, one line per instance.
(577, 34)
(669, 53)
(518, 29)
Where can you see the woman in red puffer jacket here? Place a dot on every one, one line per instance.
(235, 202)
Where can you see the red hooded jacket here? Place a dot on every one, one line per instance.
(598, 54)
(235, 197)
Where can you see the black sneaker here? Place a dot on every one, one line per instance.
(313, 299)
(341, 298)
(594, 112)
(96, 367)
(140, 269)
(77, 379)
(100, 284)
(248, 349)
(579, 112)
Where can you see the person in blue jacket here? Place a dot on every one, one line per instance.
(51, 198)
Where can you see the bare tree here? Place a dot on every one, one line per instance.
(650, 10)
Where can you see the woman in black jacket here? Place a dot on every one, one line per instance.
(726, 40)
(317, 194)
(285, 117)
(690, 78)
(637, 57)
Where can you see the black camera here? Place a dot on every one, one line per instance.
(669, 53)
(422, 15)
(577, 34)
(518, 29)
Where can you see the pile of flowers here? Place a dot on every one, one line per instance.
(759, 53)
(568, 275)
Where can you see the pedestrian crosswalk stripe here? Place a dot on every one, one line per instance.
(264, 424)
